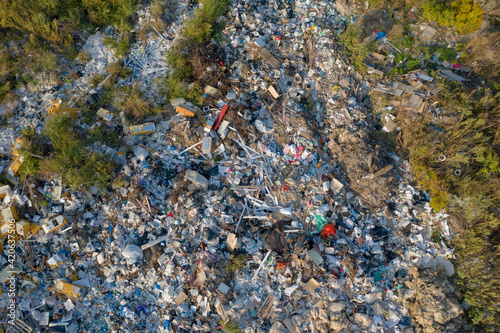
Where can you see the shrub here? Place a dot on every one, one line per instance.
(463, 15)
(38, 17)
(48, 60)
(439, 200)
(116, 70)
(4, 90)
(158, 8)
(96, 79)
(176, 88)
(54, 21)
(60, 151)
(113, 12)
(124, 41)
(201, 27)
(180, 68)
(355, 48)
(195, 94)
(131, 101)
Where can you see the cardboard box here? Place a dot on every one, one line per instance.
(9, 213)
(16, 166)
(104, 114)
(23, 227)
(4, 190)
(72, 112)
(186, 110)
(54, 224)
(69, 289)
(142, 129)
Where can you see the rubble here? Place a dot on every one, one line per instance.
(333, 232)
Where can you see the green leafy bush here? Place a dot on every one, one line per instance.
(201, 27)
(108, 12)
(355, 48)
(463, 15)
(180, 68)
(53, 21)
(60, 151)
(176, 88)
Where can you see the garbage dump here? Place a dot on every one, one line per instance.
(271, 207)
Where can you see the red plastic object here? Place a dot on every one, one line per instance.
(285, 187)
(220, 117)
(328, 230)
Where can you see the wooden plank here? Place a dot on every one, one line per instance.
(265, 310)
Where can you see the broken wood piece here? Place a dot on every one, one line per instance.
(265, 309)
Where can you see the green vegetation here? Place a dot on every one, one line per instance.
(61, 151)
(236, 263)
(466, 183)
(116, 70)
(230, 327)
(120, 46)
(130, 100)
(53, 20)
(203, 25)
(355, 48)
(180, 68)
(471, 144)
(158, 8)
(39, 31)
(108, 12)
(414, 55)
(199, 30)
(463, 15)
(176, 88)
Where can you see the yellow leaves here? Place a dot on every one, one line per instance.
(439, 200)
(463, 15)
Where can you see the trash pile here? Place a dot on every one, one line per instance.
(271, 208)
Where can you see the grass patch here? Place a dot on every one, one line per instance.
(60, 151)
(130, 100)
(471, 145)
(236, 263)
(42, 30)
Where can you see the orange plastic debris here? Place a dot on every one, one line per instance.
(328, 230)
